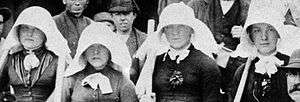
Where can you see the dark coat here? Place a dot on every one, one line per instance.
(210, 12)
(201, 79)
(42, 81)
(123, 88)
(71, 28)
(135, 40)
(278, 91)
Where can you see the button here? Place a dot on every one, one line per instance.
(29, 93)
(30, 98)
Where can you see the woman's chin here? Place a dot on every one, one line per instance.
(98, 66)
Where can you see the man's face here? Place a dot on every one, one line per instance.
(123, 20)
(178, 36)
(76, 7)
(1, 24)
(265, 37)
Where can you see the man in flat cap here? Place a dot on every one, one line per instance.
(124, 13)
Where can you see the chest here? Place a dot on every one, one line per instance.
(167, 72)
(87, 94)
(45, 74)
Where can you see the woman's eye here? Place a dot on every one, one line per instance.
(272, 30)
(255, 31)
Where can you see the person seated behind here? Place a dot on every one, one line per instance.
(106, 18)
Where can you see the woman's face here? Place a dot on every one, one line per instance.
(97, 55)
(31, 37)
(179, 36)
(265, 38)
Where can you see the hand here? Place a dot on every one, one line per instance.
(236, 31)
(147, 97)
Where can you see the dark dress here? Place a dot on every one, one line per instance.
(41, 83)
(228, 72)
(123, 88)
(135, 40)
(201, 79)
(274, 91)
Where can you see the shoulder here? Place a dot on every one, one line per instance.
(141, 34)
(58, 17)
(283, 57)
(202, 60)
(88, 20)
(112, 73)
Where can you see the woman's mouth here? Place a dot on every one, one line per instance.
(96, 58)
(264, 44)
(29, 39)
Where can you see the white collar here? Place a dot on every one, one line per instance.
(98, 80)
(182, 54)
(267, 64)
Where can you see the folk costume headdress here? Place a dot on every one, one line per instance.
(287, 42)
(99, 33)
(41, 19)
(157, 44)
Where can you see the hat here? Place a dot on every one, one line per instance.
(5, 12)
(294, 59)
(123, 6)
(103, 16)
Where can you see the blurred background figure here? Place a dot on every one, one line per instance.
(293, 75)
(163, 3)
(105, 17)
(5, 14)
(71, 22)
(124, 12)
(295, 11)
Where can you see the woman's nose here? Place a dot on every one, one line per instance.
(97, 51)
(77, 3)
(264, 36)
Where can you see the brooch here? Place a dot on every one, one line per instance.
(176, 79)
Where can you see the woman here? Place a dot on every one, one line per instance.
(263, 39)
(34, 57)
(92, 75)
(183, 68)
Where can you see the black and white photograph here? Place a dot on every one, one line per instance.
(149, 50)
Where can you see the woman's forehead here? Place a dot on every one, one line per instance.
(262, 25)
(175, 26)
(26, 26)
(96, 46)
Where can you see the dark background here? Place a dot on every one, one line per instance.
(148, 9)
